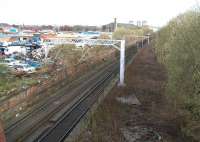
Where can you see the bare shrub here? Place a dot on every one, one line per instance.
(178, 47)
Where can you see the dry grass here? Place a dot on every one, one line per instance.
(146, 79)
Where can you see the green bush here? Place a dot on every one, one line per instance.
(8, 81)
(3, 70)
(177, 46)
(122, 31)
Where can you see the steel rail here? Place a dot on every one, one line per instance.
(29, 124)
(63, 127)
(46, 120)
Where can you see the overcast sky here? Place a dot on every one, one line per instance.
(91, 12)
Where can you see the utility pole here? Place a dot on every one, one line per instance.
(122, 63)
(148, 38)
(118, 44)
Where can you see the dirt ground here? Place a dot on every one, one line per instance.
(138, 112)
(2, 137)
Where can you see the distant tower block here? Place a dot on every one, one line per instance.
(144, 23)
(115, 24)
(131, 22)
(139, 23)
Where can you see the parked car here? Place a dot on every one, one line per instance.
(4, 44)
(24, 68)
(34, 64)
(12, 62)
(7, 61)
(2, 50)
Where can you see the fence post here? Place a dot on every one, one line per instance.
(142, 42)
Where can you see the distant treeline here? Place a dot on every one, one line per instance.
(51, 27)
(77, 28)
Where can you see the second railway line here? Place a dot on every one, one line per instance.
(49, 115)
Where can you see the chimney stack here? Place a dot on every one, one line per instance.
(115, 24)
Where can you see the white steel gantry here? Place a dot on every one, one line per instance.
(118, 44)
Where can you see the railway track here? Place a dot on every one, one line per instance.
(62, 128)
(49, 99)
(38, 118)
(54, 120)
